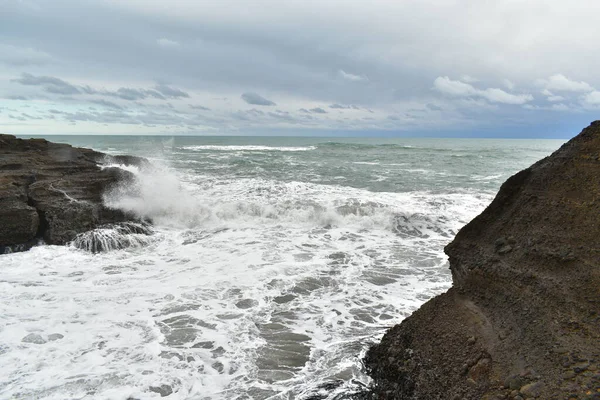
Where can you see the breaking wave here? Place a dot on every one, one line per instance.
(247, 148)
(114, 237)
(160, 195)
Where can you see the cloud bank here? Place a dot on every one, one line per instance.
(213, 67)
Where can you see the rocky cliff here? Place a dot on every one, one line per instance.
(52, 192)
(522, 320)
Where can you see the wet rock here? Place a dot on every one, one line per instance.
(52, 192)
(33, 338)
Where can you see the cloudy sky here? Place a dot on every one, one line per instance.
(510, 68)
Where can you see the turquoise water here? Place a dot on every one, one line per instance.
(274, 264)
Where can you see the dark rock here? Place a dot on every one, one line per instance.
(52, 192)
(526, 279)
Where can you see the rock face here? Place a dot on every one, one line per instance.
(522, 319)
(53, 191)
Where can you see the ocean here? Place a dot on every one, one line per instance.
(274, 264)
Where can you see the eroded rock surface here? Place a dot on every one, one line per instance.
(52, 191)
(522, 319)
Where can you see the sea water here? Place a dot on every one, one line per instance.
(272, 265)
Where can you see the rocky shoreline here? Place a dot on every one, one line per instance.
(522, 320)
(52, 192)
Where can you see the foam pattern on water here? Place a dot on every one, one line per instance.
(248, 289)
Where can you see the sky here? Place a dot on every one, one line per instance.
(466, 68)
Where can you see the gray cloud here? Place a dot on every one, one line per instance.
(170, 92)
(49, 83)
(212, 50)
(133, 94)
(344, 107)
(197, 107)
(59, 86)
(15, 97)
(433, 107)
(256, 99)
(316, 110)
(107, 104)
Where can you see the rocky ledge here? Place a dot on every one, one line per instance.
(522, 320)
(52, 192)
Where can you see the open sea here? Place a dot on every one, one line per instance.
(274, 264)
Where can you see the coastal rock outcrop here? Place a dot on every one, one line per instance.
(52, 192)
(522, 320)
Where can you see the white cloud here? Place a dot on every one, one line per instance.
(592, 98)
(451, 87)
(167, 43)
(468, 79)
(508, 84)
(555, 98)
(500, 96)
(352, 77)
(454, 88)
(561, 83)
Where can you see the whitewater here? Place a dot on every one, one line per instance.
(269, 267)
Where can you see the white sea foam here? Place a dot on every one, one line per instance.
(247, 148)
(250, 287)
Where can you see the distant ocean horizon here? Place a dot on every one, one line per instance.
(275, 263)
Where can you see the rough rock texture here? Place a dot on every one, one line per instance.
(53, 191)
(522, 320)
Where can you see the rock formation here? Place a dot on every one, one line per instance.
(52, 192)
(522, 320)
